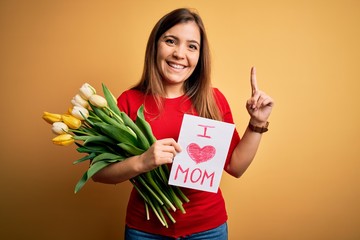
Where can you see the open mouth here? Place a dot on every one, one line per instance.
(175, 66)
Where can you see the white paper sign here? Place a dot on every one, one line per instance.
(205, 145)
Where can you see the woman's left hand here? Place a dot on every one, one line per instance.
(260, 104)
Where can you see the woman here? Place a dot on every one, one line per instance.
(175, 81)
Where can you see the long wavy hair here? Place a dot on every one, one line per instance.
(198, 86)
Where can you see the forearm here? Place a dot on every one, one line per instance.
(244, 153)
(259, 107)
(161, 152)
(119, 172)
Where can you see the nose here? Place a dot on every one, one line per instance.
(179, 52)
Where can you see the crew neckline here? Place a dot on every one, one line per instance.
(174, 98)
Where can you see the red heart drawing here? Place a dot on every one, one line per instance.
(199, 154)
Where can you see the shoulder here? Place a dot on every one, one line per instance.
(223, 105)
(129, 100)
(219, 96)
(130, 93)
(221, 100)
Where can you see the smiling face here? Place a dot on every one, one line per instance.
(177, 56)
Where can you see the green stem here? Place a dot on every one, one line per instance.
(157, 213)
(142, 181)
(156, 187)
(147, 211)
(162, 215)
(177, 201)
(138, 190)
(169, 214)
(81, 132)
(147, 201)
(183, 196)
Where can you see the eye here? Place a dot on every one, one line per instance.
(193, 47)
(170, 41)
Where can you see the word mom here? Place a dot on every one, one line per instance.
(195, 175)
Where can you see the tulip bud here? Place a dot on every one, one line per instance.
(80, 112)
(86, 91)
(59, 128)
(69, 110)
(63, 139)
(98, 101)
(79, 101)
(71, 121)
(51, 117)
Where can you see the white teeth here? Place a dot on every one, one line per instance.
(176, 66)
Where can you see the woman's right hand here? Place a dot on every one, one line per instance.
(161, 152)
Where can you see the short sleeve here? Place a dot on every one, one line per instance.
(129, 102)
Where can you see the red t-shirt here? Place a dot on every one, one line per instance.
(205, 210)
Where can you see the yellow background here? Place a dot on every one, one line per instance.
(304, 182)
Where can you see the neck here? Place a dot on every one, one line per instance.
(174, 91)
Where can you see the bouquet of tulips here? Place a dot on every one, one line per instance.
(107, 135)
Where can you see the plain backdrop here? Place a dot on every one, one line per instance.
(304, 181)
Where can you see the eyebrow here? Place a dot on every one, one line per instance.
(191, 41)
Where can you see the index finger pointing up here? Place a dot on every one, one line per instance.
(253, 81)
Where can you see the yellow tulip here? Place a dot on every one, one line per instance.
(71, 121)
(98, 101)
(51, 117)
(70, 110)
(63, 139)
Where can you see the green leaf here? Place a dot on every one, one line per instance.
(118, 133)
(97, 167)
(81, 182)
(89, 173)
(87, 157)
(144, 125)
(111, 100)
(130, 149)
(143, 142)
(99, 139)
(108, 157)
(105, 117)
(90, 149)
